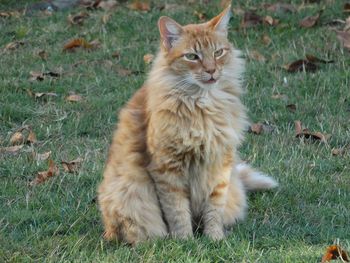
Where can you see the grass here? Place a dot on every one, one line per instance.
(58, 222)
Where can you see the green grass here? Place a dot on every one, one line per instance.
(58, 222)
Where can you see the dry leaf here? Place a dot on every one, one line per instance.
(17, 138)
(74, 98)
(280, 8)
(43, 54)
(266, 40)
(77, 19)
(107, 5)
(105, 18)
(337, 151)
(344, 38)
(42, 156)
(72, 166)
(335, 252)
(38, 95)
(148, 58)
(270, 21)
(254, 54)
(123, 72)
(116, 55)
(305, 133)
(95, 44)
(140, 6)
(40, 76)
(15, 14)
(310, 21)
(301, 65)
(31, 137)
(251, 19)
(346, 8)
(11, 149)
(291, 107)
(44, 176)
(256, 128)
(13, 45)
(201, 16)
(279, 96)
(90, 4)
(76, 43)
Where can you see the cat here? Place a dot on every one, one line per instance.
(173, 166)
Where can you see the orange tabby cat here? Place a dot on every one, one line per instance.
(173, 165)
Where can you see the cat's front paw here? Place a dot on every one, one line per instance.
(182, 235)
(215, 233)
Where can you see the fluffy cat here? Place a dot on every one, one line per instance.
(173, 166)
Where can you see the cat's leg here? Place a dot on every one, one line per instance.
(130, 208)
(174, 198)
(214, 208)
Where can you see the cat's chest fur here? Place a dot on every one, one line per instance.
(198, 133)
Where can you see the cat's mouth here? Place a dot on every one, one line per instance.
(210, 81)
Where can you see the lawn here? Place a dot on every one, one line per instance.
(59, 221)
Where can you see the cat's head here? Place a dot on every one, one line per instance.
(198, 53)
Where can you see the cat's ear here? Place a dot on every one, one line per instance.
(170, 31)
(220, 22)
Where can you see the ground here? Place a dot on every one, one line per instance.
(58, 220)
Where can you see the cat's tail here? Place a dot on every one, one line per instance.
(254, 180)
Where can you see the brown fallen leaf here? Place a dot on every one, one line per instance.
(344, 38)
(251, 19)
(305, 133)
(116, 55)
(76, 43)
(291, 107)
(38, 95)
(148, 58)
(74, 97)
(11, 149)
(94, 44)
(40, 76)
(89, 4)
(335, 252)
(256, 55)
(256, 128)
(105, 18)
(123, 72)
(77, 19)
(270, 21)
(45, 175)
(140, 6)
(107, 5)
(280, 96)
(14, 45)
(17, 138)
(42, 156)
(200, 15)
(337, 151)
(301, 65)
(346, 8)
(43, 54)
(72, 166)
(15, 14)
(310, 21)
(266, 40)
(31, 137)
(280, 8)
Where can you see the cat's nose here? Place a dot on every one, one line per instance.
(210, 71)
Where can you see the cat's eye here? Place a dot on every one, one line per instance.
(191, 56)
(218, 53)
